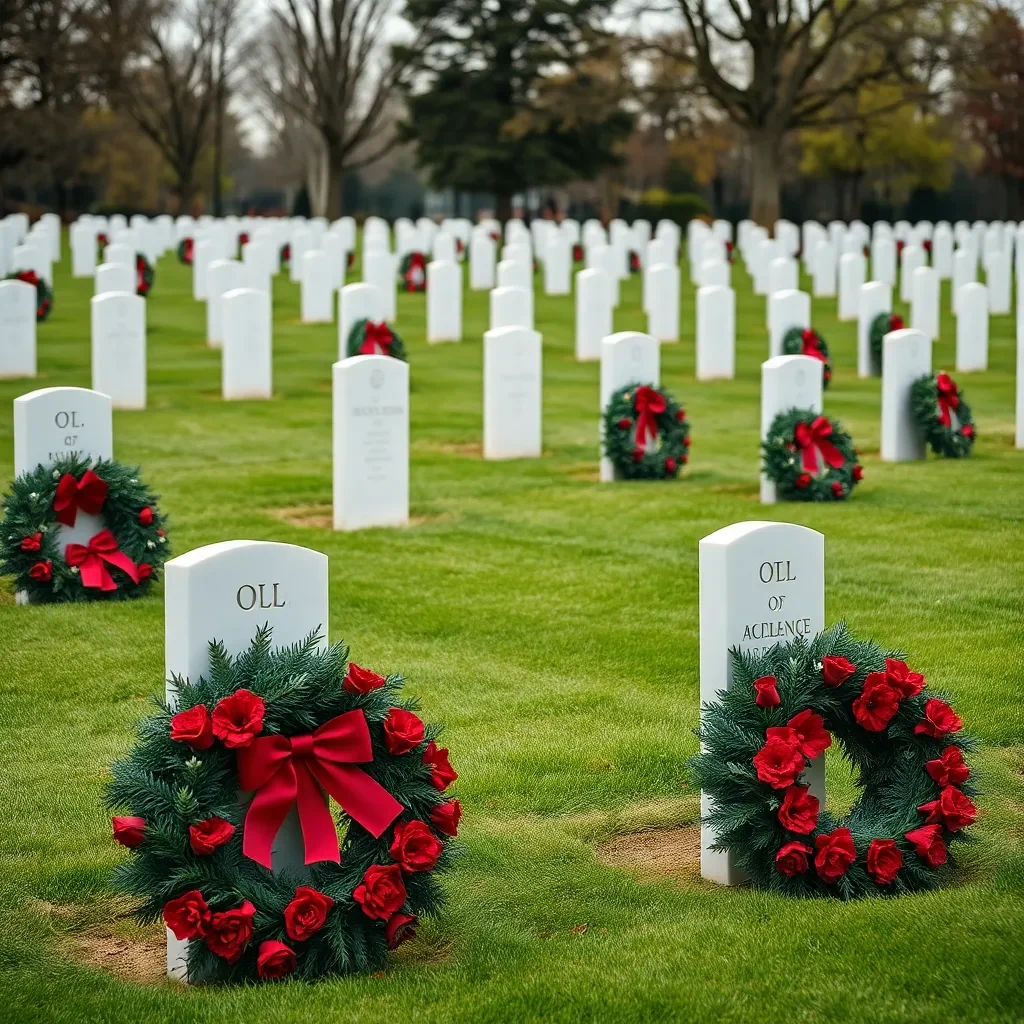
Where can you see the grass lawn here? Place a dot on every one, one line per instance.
(551, 622)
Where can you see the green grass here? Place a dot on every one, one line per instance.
(551, 622)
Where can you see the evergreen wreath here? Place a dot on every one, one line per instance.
(370, 338)
(186, 251)
(285, 254)
(44, 294)
(798, 341)
(730, 252)
(881, 325)
(810, 457)
(102, 241)
(201, 861)
(120, 561)
(577, 253)
(785, 708)
(144, 275)
(635, 266)
(942, 415)
(413, 272)
(350, 260)
(646, 433)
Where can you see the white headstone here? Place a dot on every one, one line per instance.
(663, 303)
(875, 298)
(924, 302)
(965, 271)
(260, 265)
(222, 276)
(626, 358)
(302, 242)
(511, 307)
(824, 273)
(783, 275)
(120, 253)
(482, 253)
(558, 266)
(906, 355)
(716, 333)
(512, 393)
(204, 252)
(942, 251)
(119, 348)
(114, 277)
(379, 271)
(883, 259)
(247, 366)
(317, 287)
(786, 309)
(997, 280)
(787, 382)
(714, 272)
(444, 301)
(357, 302)
(83, 251)
(515, 274)
(593, 313)
(851, 277)
(972, 328)
(17, 329)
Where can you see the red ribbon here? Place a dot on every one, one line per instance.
(188, 250)
(285, 771)
(87, 494)
(649, 404)
(102, 548)
(29, 277)
(948, 398)
(810, 343)
(812, 438)
(378, 339)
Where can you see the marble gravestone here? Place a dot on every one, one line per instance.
(786, 309)
(482, 255)
(511, 307)
(924, 302)
(379, 270)
(512, 393)
(824, 273)
(663, 304)
(972, 328)
(875, 298)
(593, 313)
(965, 271)
(225, 592)
(317, 287)
(760, 584)
(444, 300)
(912, 257)
(714, 272)
(906, 355)
(222, 276)
(628, 357)
(119, 348)
(357, 302)
(558, 266)
(114, 277)
(515, 274)
(247, 365)
(371, 442)
(787, 382)
(851, 277)
(716, 333)
(204, 252)
(17, 329)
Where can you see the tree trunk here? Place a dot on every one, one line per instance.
(503, 206)
(335, 175)
(765, 153)
(218, 152)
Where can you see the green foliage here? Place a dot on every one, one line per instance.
(954, 441)
(145, 275)
(186, 251)
(44, 294)
(412, 272)
(889, 766)
(357, 336)
(793, 345)
(681, 207)
(782, 460)
(880, 327)
(636, 463)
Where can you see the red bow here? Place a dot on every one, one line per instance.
(87, 494)
(29, 277)
(812, 438)
(285, 771)
(378, 339)
(102, 548)
(810, 343)
(188, 250)
(948, 398)
(649, 404)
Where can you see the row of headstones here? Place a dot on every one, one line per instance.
(25, 247)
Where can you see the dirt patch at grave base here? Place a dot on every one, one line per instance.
(322, 516)
(140, 957)
(471, 450)
(656, 852)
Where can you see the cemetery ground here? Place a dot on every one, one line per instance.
(551, 622)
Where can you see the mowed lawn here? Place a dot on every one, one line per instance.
(551, 622)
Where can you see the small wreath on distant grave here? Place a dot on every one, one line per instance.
(243, 240)
(144, 275)
(942, 415)
(635, 266)
(186, 251)
(291, 726)
(413, 272)
(882, 325)
(730, 252)
(44, 294)
(350, 260)
(375, 338)
(460, 248)
(810, 457)
(784, 709)
(286, 253)
(646, 433)
(577, 253)
(119, 561)
(102, 241)
(799, 341)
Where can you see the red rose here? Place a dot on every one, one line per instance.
(685, 458)
(146, 516)
(188, 916)
(835, 854)
(446, 817)
(837, 488)
(948, 768)
(884, 860)
(274, 960)
(361, 680)
(799, 810)
(33, 543)
(681, 415)
(638, 455)
(896, 322)
(803, 481)
(953, 809)
(939, 719)
(238, 718)
(625, 423)
(193, 727)
(400, 928)
(812, 736)
(306, 914)
(144, 570)
(778, 763)
(402, 731)
(858, 472)
(160, 533)
(442, 774)
(766, 695)
(686, 444)
(967, 430)
(877, 704)
(229, 931)
(835, 671)
(129, 832)
(670, 465)
(928, 844)
(42, 571)
(207, 835)
(792, 859)
(381, 892)
(415, 847)
(899, 676)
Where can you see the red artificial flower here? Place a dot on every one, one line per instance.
(778, 763)
(193, 727)
(207, 835)
(274, 960)
(877, 704)
(948, 768)
(766, 695)
(381, 892)
(899, 676)
(129, 832)
(229, 931)
(415, 847)
(33, 543)
(939, 719)
(670, 465)
(686, 444)
(837, 488)
(835, 854)
(799, 810)
(812, 738)
(835, 671)
(42, 571)
(686, 458)
(967, 430)
(792, 859)
(238, 718)
(884, 860)
(928, 844)
(144, 570)
(446, 817)
(625, 423)
(858, 472)
(160, 533)
(953, 809)
(803, 481)
(146, 516)
(361, 680)
(400, 928)
(638, 455)
(896, 322)
(680, 415)
(442, 774)
(307, 913)
(402, 731)
(188, 916)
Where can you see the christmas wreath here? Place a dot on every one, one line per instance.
(785, 708)
(243, 240)
(810, 457)
(102, 241)
(577, 253)
(942, 415)
(44, 294)
(798, 341)
(882, 324)
(370, 338)
(635, 265)
(730, 252)
(186, 251)
(144, 275)
(460, 248)
(646, 433)
(286, 253)
(413, 272)
(120, 561)
(291, 726)
(350, 260)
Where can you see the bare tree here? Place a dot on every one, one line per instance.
(227, 45)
